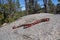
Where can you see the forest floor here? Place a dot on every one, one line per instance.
(43, 31)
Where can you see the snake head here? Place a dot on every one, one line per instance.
(14, 27)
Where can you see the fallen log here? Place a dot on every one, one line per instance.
(31, 24)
